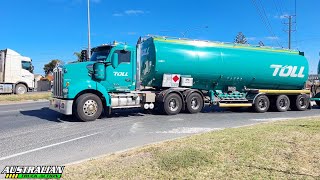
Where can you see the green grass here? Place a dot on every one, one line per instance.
(24, 97)
(279, 150)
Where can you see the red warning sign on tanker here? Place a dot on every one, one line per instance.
(175, 78)
(171, 80)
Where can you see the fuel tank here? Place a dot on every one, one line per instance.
(217, 66)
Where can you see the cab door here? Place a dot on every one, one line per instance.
(26, 75)
(121, 78)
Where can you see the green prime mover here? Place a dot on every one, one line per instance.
(174, 75)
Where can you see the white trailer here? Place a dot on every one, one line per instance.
(16, 73)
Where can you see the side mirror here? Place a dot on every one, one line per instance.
(99, 71)
(115, 60)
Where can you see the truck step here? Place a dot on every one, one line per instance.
(125, 107)
(235, 104)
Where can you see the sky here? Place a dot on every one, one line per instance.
(55, 29)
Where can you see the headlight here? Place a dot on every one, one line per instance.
(65, 90)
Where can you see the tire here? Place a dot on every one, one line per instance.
(172, 104)
(88, 107)
(300, 102)
(194, 103)
(282, 103)
(261, 104)
(21, 89)
(318, 103)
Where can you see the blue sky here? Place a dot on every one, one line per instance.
(55, 29)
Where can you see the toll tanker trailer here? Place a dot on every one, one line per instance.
(174, 75)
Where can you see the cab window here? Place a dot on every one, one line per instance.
(26, 65)
(123, 56)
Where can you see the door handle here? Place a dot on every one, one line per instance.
(128, 80)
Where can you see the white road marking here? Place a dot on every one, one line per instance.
(176, 119)
(17, 110)
(187, 130)
(44, 147)
(271, 119)
(24, 102)
(136, 127)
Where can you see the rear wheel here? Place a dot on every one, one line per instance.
(194, 103)
(318, 103)
(172, 104)
(88, 107)
(300, 102)
(261, 104)
(21, 89)
(282, 103)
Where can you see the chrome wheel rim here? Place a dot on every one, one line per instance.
(21, 90)
(90, 108)
(195, 103)
(262, 104)
(302, 102)
(173, 105)
(283, 103)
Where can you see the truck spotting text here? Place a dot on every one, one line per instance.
(171, 75)
(286, 71)
(120, 73)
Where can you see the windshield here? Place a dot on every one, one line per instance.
(100, 53)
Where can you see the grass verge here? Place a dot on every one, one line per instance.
(278, 150)
(24, 97)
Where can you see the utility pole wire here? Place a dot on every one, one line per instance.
(281, 5)
(265, 20)
(279, 12)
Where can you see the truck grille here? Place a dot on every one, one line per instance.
(57, 83)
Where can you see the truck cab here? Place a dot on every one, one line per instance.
(120, 65)
(16, 72)
(103, 81)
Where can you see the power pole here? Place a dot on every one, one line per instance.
(89, 48)
(289, 32)
(290, 29)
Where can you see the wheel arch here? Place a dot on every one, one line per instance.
(188, 92)
(21, 82)
(253, 97)
(164, 94)
(92, 91)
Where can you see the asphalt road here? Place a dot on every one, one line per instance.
(31, 134)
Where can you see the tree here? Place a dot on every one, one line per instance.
(48, 68)
(81, 56)
(78, 55)
(261, 43)
(240, 39)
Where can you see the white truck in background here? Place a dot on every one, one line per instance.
(16, 73)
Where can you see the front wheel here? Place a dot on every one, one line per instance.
(88, 107)
(21, 89)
